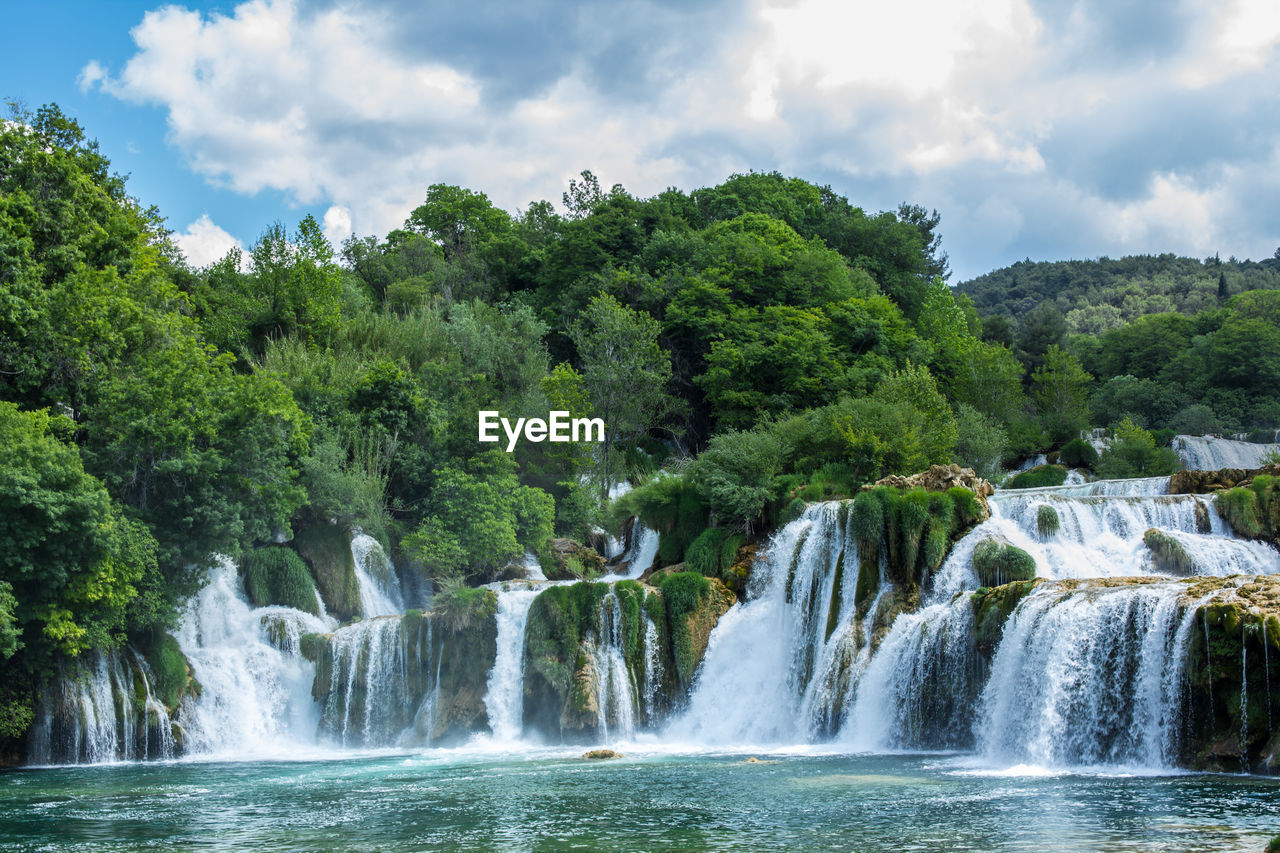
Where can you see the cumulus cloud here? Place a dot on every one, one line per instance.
(204, 242)
(1036, 127)
(337, 224)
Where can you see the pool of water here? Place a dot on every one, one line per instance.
(554, 800)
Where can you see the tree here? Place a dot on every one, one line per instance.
(625, 373)
(915, 386)
(1133, 453)
(1059, 388)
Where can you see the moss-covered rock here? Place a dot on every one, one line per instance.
(1167, 554)
(998, 563)
(567, 560)
(276, 575)
(326, 548)
(1047, 521)
(1038, 477)
(992, 607)
(170, 671)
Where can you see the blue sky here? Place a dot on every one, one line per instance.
(1038, 128)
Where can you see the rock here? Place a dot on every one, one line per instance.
(1168, 555)
(326, 549)
(998, 563)
(601, 754)
(514, 572)
(572, 560)
(939, 478)
(1206, 482)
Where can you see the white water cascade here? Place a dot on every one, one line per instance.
(104, 710)
(1088, 676)
(255, 696)
(376, 578)
(753, 686)
(1211, 452)
(369, 702)
(504, 699)
(1101, 534)
(640, 556)
(614, 688)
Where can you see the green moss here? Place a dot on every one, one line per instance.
(169, 669)
(313, 646)
(992, 608)
(1239, 508)
(1169, 555)
(703, 555)
(968, 510)
(1047, 521)
(457, 606)
(326, 548)
(277, 575)
(630, 595)
(833, 611)
(998, 563)
(683, 592)
(1043, 475)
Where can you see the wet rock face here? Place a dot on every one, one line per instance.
(1205, 482)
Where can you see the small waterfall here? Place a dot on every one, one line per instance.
(919, 690)
(504, 700)
(1088, 675)
(255, 689)
(652, 669)
(640, 556)
(615, 689)
(376, 578)
(1210, 452)
(369, 701)
(101, 709)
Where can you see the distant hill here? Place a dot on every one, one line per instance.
(1103, 294)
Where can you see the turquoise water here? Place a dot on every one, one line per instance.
(556, 801)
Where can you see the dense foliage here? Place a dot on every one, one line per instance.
(750, 346)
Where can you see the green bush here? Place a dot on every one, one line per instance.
(1078, 453)
(457, 605)
(1169, 555)
(1038, 477)
(277, 575)
(1134, 453)
(1047, 521)
(998, 563)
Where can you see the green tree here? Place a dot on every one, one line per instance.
(625, 373)
(1059, 389)
(914, 386)
(1133, 453)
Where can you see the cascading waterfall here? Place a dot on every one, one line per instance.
(781, 639)
(1211, 453)
(376, 578)
(370, 701)
(1088, 675)
(640, 555)
(1101, 534)
(504, 700)
(101, 710)
(255, 694)
(615, 690)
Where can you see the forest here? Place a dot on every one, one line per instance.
(750, 346)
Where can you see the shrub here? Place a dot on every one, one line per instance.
(457, 605)
(1134, 454)
(1047, 521)
(998, 563)
(1078, 453)
(1038, 477)
(713, 552)
(1169, 555)
(277, 575)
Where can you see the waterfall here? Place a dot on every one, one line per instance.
(376, 578)
(771, 647)
(255, 696)
(101, 709)
(504, 699)
(615, 689)
(1088, 675)
(1101, 534)
(1210, 452)
(640, 555)
(919, 689)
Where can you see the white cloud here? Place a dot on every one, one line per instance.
(91, 75)
(887, 102)
(337, 225)
(204, 242)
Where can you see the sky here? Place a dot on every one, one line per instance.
(1042, 129)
